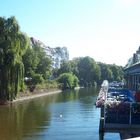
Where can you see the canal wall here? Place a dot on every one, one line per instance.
(37, 93)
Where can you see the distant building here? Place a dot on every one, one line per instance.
(132, 71)
(57, 54)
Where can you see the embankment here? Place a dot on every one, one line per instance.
(37, 93)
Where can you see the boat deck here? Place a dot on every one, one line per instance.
(120, 113)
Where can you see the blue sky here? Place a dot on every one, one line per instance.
(107, 30)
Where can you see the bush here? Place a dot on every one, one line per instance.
(37, 79)
(68, 81)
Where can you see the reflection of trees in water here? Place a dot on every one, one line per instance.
(68, 95)
(20, 119)
(87, 97)
(82, 94)
(29, 117)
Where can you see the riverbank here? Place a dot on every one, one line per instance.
(37, 93)
(27, 95)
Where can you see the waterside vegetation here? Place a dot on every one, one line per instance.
(25, 67)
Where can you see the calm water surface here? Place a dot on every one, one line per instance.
(65, 116)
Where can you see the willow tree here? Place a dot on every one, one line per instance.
(13, 44)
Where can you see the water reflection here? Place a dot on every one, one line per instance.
(20, 119)
(68, 95)
(68, 115)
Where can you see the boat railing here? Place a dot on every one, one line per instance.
(122, 113)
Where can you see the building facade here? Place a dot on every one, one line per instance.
(57, 54)
(132, 72)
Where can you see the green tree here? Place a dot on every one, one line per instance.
(88, 71)
(37, 65)
(31, 61)
(67, 67)
(37, 79)
(13, 44)
(68, 81)
(111, 72)
(117, 72)
(106, 72)
(97, 74)
(44, 65)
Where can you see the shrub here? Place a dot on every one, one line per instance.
(68, 81)
(37, 79)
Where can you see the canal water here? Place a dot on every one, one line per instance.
(70, 115)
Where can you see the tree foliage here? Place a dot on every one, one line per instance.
(89, 72)
(17, 59)
(68, 81)
(44, 65)
(13, 44)
(37, 64)
(111, 72)
(30, 61)
(85, 68)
